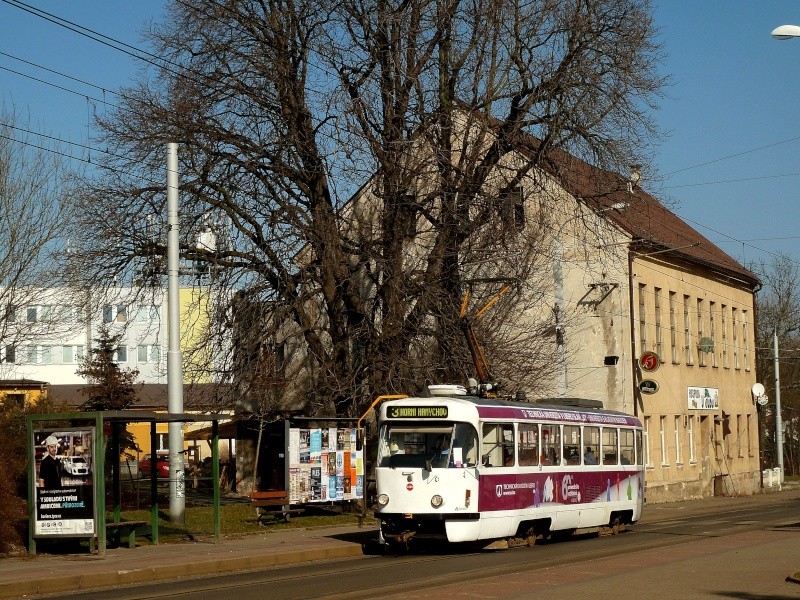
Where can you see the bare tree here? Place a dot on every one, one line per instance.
(33, 210)
(779, 314)
(364, 162)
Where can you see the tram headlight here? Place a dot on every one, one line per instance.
(383, 499)
(437, 501)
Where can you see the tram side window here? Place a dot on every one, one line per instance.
(626, 446)
(551, 444)
(572, 444)
(591, 445)
(639, 447)
(498, 445)
(465, 446)
(528, 449)
(610, 446)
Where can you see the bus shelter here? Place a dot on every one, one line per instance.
(73, 503)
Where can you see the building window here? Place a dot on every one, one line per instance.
(150, 353)
(11, 314)
(11, 354)
(646, 434)
(678, 455)
(687, 331)
(712, 306)
(47, 355)
(750, 444)
(739, 430)
(642, 319)
(745, 342)
(46, 313)
(13, 399)
(121, 355)
(146, 314)
(512, 207)
(31, 356)
(662, 426)
(735, 341)
(115, 313)
(659, 333)
(72, 354)
(724, 313)
(690, 432)
(30, 314)
(701, 356)
(673, 331)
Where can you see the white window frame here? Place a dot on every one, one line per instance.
(678, 454)
(646, 434)
(690, 431)
(662, 422)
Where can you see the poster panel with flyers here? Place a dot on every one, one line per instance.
(325, 465)
(63, 472)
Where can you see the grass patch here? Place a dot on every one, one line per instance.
(236, 519)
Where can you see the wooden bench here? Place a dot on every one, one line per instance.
(273, 504)
(115, 531)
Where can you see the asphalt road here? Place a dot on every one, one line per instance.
(691, 556)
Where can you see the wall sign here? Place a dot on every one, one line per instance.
(648, 386)
(703, 398)
(649, 361)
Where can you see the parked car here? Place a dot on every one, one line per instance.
(75, 465)
(162, 465)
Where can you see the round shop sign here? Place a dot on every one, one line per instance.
(409, 486)
(648, 386)
(649, 361)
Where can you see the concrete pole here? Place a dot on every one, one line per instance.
(778, 418)
(177, 500)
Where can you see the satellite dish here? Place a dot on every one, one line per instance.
(706, 345)
(758, 390)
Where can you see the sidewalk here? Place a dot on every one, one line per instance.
(53, 573)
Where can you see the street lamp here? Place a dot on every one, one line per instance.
(786, 32)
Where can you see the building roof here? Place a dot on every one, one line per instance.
(6, 384)
(152, 395)
(651, 225)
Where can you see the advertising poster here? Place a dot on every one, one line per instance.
(703, 398)
(325, 465)
(64, 476)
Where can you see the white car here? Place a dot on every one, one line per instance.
(75, 465)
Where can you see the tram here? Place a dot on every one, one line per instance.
(466, 468)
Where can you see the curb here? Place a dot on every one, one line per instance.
(73, 583)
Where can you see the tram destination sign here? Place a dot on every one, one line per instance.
(416, 412)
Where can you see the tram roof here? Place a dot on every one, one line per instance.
(555, 409)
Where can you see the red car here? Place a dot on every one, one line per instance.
(162, 465)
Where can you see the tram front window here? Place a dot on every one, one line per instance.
(427, 446)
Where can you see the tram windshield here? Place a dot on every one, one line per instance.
(428, 445)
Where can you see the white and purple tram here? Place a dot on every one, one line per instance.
(465, 468)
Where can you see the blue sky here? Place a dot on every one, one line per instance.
(735, 93)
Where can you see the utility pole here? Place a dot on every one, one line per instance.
(177, 500)
(778, 418)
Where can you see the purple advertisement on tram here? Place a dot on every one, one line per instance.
(525, 490)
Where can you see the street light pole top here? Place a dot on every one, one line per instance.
(786, 32)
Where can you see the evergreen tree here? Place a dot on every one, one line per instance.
(111, 388)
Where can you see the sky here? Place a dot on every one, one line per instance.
(728, 162)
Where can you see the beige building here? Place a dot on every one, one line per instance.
(618, 279)
(671, 318)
